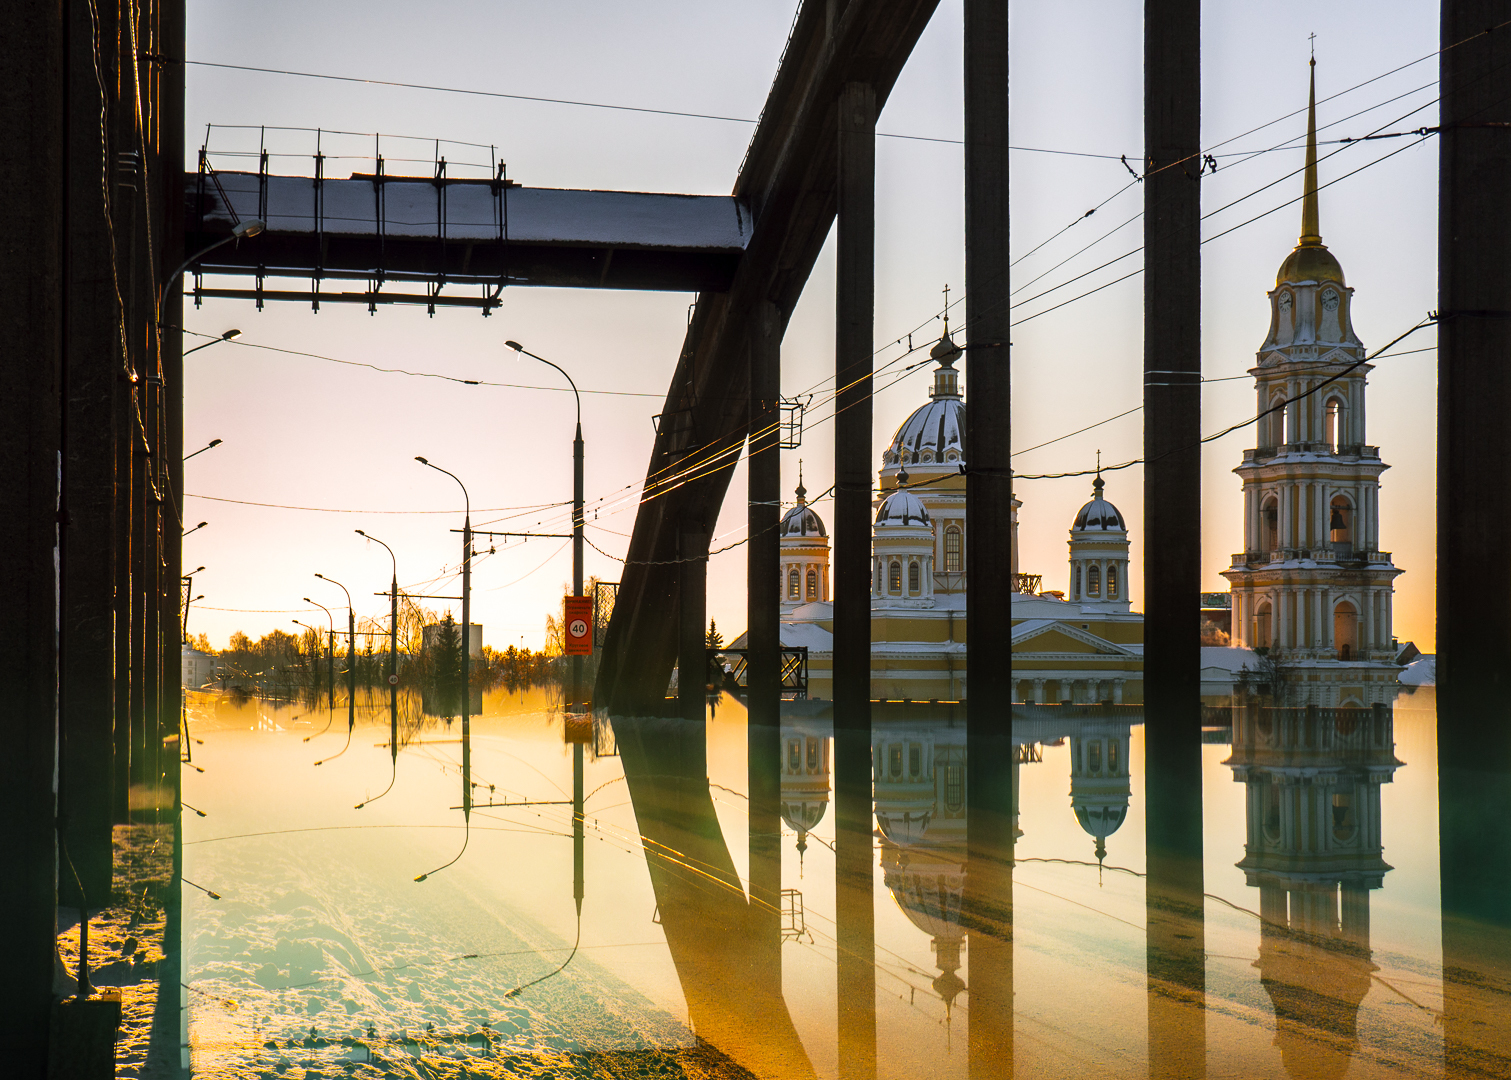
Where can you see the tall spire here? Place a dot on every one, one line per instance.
(1311, 231)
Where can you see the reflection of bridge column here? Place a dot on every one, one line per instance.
(1474, 803)
(692, 654)
(854, 904)
(987, 907)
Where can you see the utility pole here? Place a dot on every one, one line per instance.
(466, 637)
(393, 648)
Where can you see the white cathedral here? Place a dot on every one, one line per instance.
(1312, 586)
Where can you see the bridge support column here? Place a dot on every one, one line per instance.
(763, 658)
(692, 652)
(1172, 524)
(32, 64)
(855, 297)
(1474, 339)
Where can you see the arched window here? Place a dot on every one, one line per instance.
(894, 577)
(1271, 515)
(1075, 588)
(1343, 816)
(794, 755)
(1093, 581)
(1346, 630)
(915, 759)
(1340, 525)
(793, 584)
(952, 549)
(1276, 421)
(812, 584)
(813, 746)
(1093, 758)
(1112, 582)
(1332, 424)
(954, 788)
(913, 585)
(1262, 626)
(1112, 757)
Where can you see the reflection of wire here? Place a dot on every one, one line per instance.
(516, 991)
(466, 838)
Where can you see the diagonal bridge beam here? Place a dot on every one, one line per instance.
(789, 182)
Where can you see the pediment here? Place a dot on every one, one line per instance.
(1053, 636)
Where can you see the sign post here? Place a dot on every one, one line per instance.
(579, 626)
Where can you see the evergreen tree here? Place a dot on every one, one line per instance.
(713, 639)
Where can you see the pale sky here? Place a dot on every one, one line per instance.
(311, 433)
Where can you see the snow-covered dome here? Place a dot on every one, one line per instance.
(801, 520)
(902, 508)
(1099, 513)
(935, 433)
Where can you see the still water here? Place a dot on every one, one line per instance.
(1311, 944)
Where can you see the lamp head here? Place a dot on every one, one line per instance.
(360, 532)
(230, 335)
(516, 346)
(320, 575)
(202, 524)
(421, 460)
(249, 228)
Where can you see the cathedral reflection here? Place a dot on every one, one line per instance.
(1313, 850)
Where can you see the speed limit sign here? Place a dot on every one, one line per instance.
(579, 626)
(393, 680)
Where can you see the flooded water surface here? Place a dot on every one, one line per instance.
(518, 904)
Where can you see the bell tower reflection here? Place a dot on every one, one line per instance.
(805, 775)
(1314, 851)
(1099, 784)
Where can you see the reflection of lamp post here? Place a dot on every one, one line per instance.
(188, 580)
(330, 651)
(351, 654)
(229, 335)
(466, 639)
(574, 700)
(393, 649)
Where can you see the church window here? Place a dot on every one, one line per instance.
(1093, 581)
(894, 760)
(952, 549)
(915, 759)
(1112, 582)
(1112, 757)
(1332, 424)
(794, 755)
(894, 577)
(913, 585)
(954, 788)
(792, 584)
(812, 755)
(812, 584)
(1075, 590)
(1093, 758)
(1271, 818)
(1343, 816)
(1271, 515)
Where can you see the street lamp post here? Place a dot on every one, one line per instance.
(351, 654)
(330, 653)
(466, 638)
(245, 228)
(393, 648)
(213, 443)
(575, 697)
(196, 528)
(229, 335)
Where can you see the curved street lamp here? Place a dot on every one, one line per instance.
(330, 652)
(575, 699)
(393, 648)
(244, 228)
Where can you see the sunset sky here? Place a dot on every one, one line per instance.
(301, 431)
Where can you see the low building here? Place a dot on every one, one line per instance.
(197, 668)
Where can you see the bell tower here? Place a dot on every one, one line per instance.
(1312, 585)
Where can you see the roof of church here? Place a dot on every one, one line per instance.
(1099, 513)
(902, 508)
(1310, 261)
(801, 520)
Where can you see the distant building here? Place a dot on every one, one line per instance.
(197, 668)
(430, 635)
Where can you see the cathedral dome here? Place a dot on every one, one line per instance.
(902, 508)
(1310, 262)
(935, 433)
(1099, 513)
(801, 520)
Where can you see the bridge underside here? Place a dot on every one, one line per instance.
(446, 242)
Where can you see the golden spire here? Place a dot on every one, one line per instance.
(1311, 232)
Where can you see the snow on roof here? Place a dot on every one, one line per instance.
(1229, 658)
(1423, 671)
